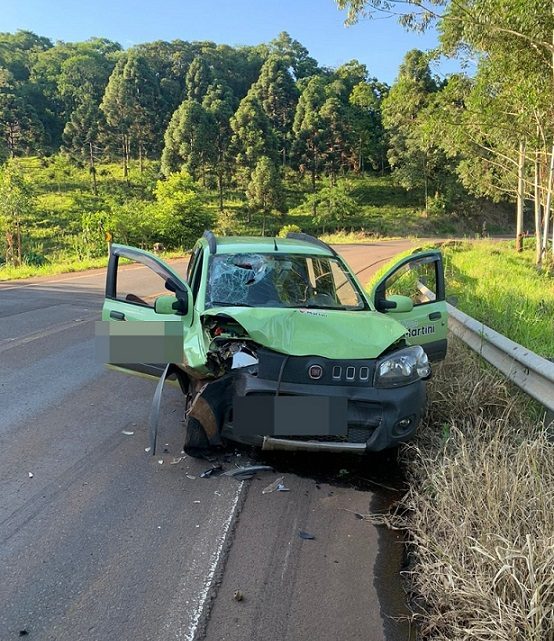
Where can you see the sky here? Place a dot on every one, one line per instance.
(380, 44)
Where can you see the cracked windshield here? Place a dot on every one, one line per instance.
(281, 281)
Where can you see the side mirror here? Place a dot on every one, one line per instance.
(170, 305)
(402, 303)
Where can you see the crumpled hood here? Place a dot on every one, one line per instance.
(336, 334)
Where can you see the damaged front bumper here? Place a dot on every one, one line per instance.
(376, 418)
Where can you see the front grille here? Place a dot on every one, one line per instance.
(355, 435)
(297, 369)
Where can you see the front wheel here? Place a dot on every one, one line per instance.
(196, 441)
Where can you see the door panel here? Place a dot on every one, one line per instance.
(132, 326)
(420, 277)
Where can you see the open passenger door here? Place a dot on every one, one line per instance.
(413, 291)
(149, 307)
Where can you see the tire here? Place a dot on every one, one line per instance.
(196, 441)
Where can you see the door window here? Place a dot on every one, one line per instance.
(138, 284)
(407, 280)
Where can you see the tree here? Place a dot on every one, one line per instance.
(337, 137)
(199, 78)
(309, 128)
(413, 156)
(16, 207)
(349, 75)
(367, 123)
(295, 54)
(81, 134)
(130, 105)
(278, 96)
(253, 135)
(188, 139)
(20, 128)
(512, 99)
(264, 189)
(219, 106)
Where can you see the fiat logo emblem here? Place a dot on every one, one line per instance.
(315, 372)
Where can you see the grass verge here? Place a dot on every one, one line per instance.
(66, 266)
(480, 511)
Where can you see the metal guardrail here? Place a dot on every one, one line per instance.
(529, 371)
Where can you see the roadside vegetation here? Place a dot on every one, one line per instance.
(154, 143)
(480, 509)
(64, 225)
(504, 290)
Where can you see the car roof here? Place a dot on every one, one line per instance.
(260, 244)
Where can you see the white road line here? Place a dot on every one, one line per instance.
(186, 608)
(203, 593)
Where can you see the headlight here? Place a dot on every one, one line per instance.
(402, 367)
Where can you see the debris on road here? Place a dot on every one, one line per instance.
(191, 477)
(282, 488)
(273, 486)
(161, 461)
(238, 595)
(31, 475)
(196, 501)
(147, 449)
(245, 473)
(127, 433)
(216, 470)
(306, 535)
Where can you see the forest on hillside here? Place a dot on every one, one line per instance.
(269, 126)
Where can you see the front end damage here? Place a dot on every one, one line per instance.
(293, 401)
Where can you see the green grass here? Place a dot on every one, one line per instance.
(504, 290)
(66, 266)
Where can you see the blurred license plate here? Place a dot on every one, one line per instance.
(290, 415)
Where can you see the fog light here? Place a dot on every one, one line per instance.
(404, 425)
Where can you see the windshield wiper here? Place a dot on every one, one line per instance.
(228, 303)
(315, 306)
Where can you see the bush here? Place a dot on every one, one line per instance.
(288, 229)
(180, 214)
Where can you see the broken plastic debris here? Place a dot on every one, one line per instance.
(31, 475)
(196, 501)
(127, 433)
(306, 535)
(216, 470)
(191, 477)
(238, 595)
(147, 449)
(176, 460)
(282, 488)
(248, 471)
(160, 461)
(273, 486)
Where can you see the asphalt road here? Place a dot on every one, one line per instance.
(100, 541)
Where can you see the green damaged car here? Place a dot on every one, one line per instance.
(274, 342)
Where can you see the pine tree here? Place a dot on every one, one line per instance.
(278, 96)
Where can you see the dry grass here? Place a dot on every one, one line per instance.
(481, 511)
